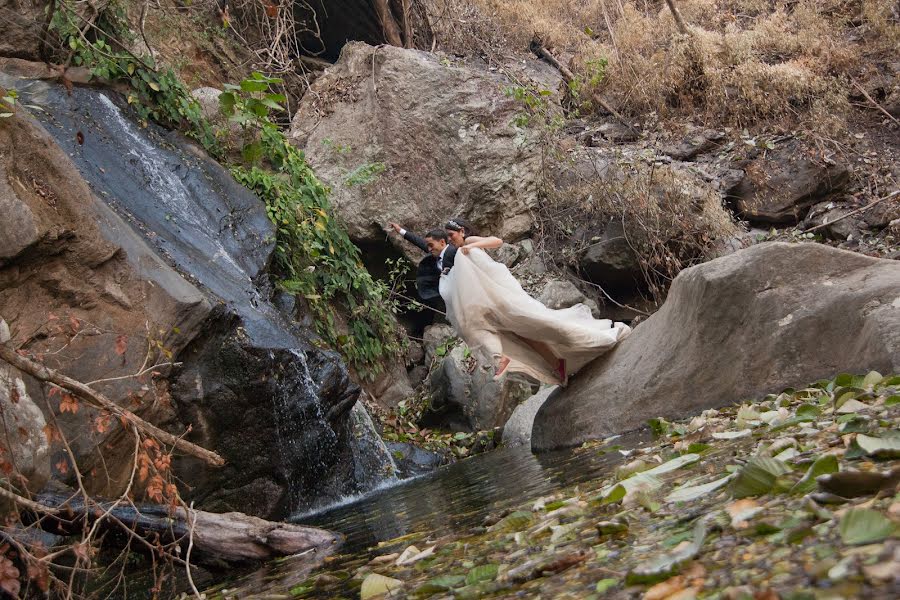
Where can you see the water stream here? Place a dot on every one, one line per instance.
(447, 501)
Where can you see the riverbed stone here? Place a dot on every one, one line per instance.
(757, 321)
(559, 294)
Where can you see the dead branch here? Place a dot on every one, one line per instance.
(874, 103)
(855, 212)
(538, 48)
(98, 400)
(679, 21)
(388, 23)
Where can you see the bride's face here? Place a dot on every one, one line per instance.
(456, 238)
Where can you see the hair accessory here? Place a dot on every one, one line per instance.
(454, 225)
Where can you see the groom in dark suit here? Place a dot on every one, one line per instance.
(439, 259)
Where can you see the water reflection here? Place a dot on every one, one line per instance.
(461, 495)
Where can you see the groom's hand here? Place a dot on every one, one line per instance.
(395, 227)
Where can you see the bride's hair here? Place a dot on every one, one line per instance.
(460, 224)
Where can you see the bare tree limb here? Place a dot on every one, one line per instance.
(538, 48)
(875, 104)
(388, 23)
(98, 400)
(679, 21)
(855, 212)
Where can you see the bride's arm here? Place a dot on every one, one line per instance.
(474, 241)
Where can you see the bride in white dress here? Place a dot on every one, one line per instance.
(499, 320)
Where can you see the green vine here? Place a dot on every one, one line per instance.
(315, 257)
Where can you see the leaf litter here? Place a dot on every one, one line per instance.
(713, 508)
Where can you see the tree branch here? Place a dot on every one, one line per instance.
(98, 400)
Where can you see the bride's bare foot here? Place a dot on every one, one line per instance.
(501, 367)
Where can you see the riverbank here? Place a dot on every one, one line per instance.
(792, 496)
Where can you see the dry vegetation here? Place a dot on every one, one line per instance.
(743, 60)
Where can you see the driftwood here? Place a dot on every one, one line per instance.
(214, 538)
(98, 400)
(537, 47)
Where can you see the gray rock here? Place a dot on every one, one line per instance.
(208, 99)
(417, 375)
(434, 337)
(828, 214)
(757, 321)
(508, 254)
(18, 227)
(517, 431)
(611, 263)
(400, 136)
(563, 294)
(617, 133)
(465, 397)
(781, 185)
(22, 22)
(696, 142)
(392, 386)
(412, 461)
(415, 354)
(24, 446)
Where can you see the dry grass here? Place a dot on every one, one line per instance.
(671, 219)
(746, 61)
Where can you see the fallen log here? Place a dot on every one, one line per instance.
(214, 538)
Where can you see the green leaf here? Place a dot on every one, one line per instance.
(377, 585)
(271, 103)
(865, 526)
(872, 378)
(879, 447)
(516, 521)
(153, 86)
(638, 482)
(808, 411)
(822, 466)
(481, 573)
(688, 493)
(250, 85)
(668, 564)
(604, 585)
(674, 464)
(758, 477)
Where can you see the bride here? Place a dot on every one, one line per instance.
(498, 319)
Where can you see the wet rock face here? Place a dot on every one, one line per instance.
(420, 142)
(751, 323)
(277, 416)
(779, 187)
(166, 236)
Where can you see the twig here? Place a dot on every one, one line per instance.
(855, 212)
(98, 400)
(610, 298)
(187, 555)
(872, 100)
(679, 21)
(538, 48)
(29, 504)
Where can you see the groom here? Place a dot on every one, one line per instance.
(439, 260)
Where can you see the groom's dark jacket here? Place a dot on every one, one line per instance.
(428, 276)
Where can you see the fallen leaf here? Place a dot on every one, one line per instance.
(666, 588)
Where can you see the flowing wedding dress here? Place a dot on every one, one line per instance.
(494, 315)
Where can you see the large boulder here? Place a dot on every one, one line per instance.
(754, 322)
(465, 397)
(781, 185)
(517, 431)
(404, 135)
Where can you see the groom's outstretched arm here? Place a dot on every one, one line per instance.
(410, 237)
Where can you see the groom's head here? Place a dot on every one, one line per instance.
(436, 240)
